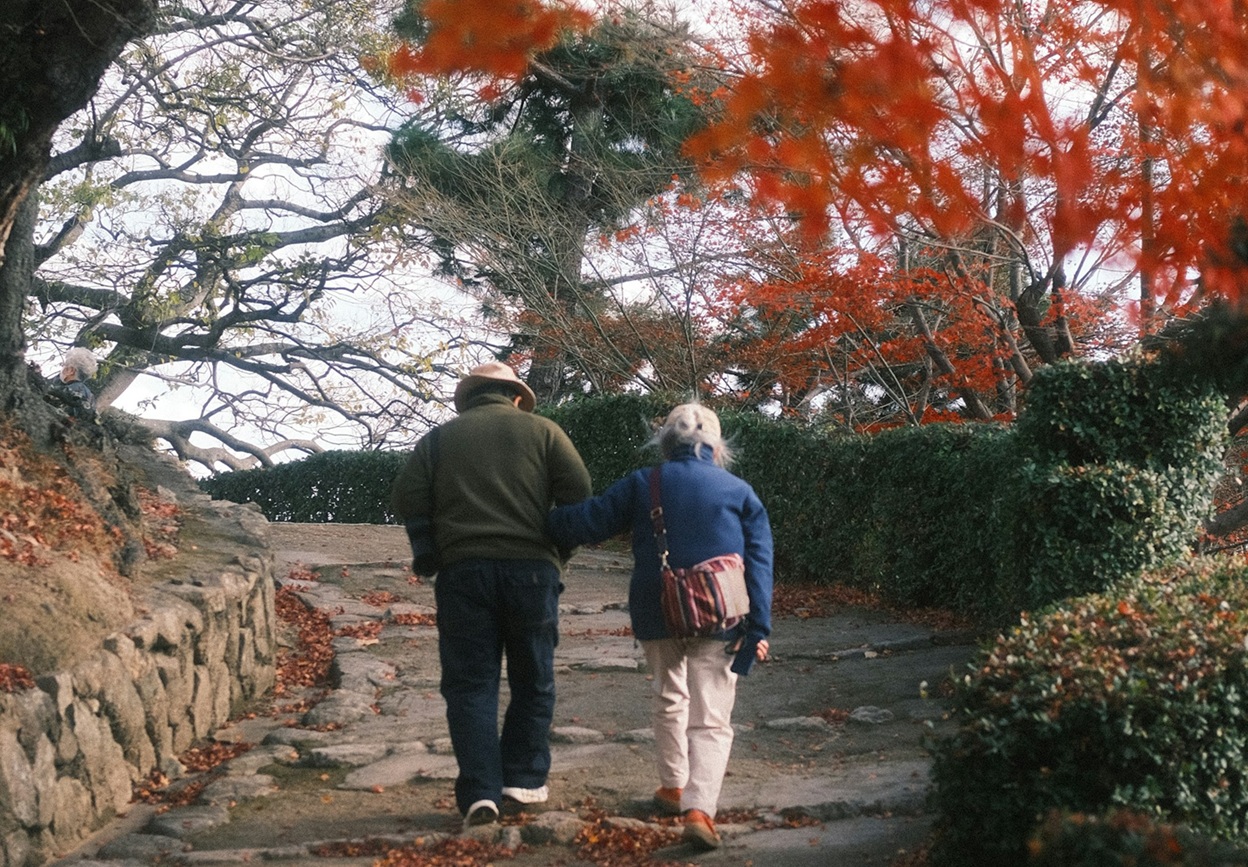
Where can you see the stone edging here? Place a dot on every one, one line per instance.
(72, 749)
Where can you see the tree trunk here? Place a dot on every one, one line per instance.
(52, 55)
(17, 266)
(548, 372)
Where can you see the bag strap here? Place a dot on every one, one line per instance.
(656, 518)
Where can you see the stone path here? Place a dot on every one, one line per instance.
(371, 762)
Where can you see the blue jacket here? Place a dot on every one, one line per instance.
(707, 511)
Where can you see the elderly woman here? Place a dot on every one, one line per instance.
(70, 387)
(708, 512)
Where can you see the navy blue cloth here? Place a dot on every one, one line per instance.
(488, 609)
(74, 396)
(707, 512)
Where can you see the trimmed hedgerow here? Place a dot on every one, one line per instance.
(803, 476)
(1121, 460)
(1091, 524)
(611, 432)
(1127, 411)
(1132, 698)
(938, 507)
(331, 487)
(1109, 471)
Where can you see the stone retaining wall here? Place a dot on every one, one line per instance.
(71, 749)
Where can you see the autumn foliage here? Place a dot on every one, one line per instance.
(1129, 117)
(308, 664)
(495, 37)
(979, 188)
(903, 109)
(41, 514)
(15, 678)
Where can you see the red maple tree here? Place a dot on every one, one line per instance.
(1110, 125)
(982, 186)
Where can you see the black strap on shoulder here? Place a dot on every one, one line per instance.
(656, 516)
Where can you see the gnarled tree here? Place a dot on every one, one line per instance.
(209, 223)
(52, 54)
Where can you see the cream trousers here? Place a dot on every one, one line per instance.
(694, 692)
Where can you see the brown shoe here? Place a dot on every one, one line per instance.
(700, 831)
(668, 800)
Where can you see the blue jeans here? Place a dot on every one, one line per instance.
(488, 608)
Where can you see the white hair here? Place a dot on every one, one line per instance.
(81, 360)
(692, 424)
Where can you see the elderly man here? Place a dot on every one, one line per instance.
(485, 481)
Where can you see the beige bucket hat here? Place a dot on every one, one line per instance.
(493, 371)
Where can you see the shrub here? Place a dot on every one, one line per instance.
(805, 478)
(1121, 462)
(939, 504)
(611, 432)
(1125, 837)
(1131, 412)
(339, 487)
(1131, 698)
(1091, 525)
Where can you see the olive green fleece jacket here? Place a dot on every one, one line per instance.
(499, 471)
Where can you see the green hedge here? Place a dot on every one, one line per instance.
(941, 521)
(797, 473)
(1109, 470)
(1090, 525)
(332, 487)
(1126, 837)
(612, 433)
(1131, 698)
(1121, 462)
(1127, 411)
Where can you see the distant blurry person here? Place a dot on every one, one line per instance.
(69, 389)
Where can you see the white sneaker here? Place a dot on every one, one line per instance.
(527, 796)
(483, 812)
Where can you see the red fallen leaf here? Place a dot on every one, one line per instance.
(353, 849)
(301, 573)
(309, 664)
(601, 843)
(14, 678)
(809, 601)
(452, 852)
(209, 756)
(833, 714)
(366, 630)
(414, 619)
